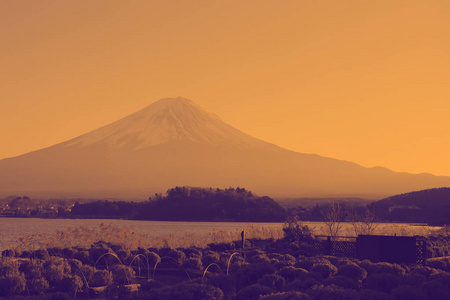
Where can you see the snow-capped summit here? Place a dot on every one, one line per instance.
(167, 120)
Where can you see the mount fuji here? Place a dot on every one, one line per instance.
(175, 142)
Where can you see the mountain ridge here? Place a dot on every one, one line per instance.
(175, 142)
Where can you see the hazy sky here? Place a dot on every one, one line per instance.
(365, 81)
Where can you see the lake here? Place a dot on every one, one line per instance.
(36, 232)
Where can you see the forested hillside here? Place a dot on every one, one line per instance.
(190, 204)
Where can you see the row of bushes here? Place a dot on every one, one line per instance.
(256, 274)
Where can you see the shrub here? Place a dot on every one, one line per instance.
(122, 274)
(436, 290)
(226, 284)
(12, 285)
(441, 264)
(277, 256)
(124, 255)
(352, 271)
(75, 265)
(40, 254)
(394, 269)
(307, 263)
(301, 284)
(176, 257)
(32, 268)
(26, 254)
(68, 252)
(210, 257)
(253, 292)
(413, 279)
(153, 259)
(101, 278)
(250, 274)
(295, 230)
(324, 270)
(259, 258)
(273, 281)
(237, 265)
(128, 291)
(54, 251)
(341, 281)
(84, 257)
(221, 246)
(8, 267)
(71, 284)
(37, 286)
(424, 271)
(193, 252)
(332, 292)
(407, 293)
(193, 263)
(86, 271)
(383, 282)
(372, 295)
(151, 284)
(8, 253)
(55, 269)
(291, 273)
(367, 265)
(184, 291)
(286, 296)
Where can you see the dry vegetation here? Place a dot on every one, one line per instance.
(129, 238)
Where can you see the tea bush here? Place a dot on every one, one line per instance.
(407, 293)
(153, 259)
(193, 263)
(210, 257)
(183, 291)
(8, 267)
(273, 281)
(291, 273)
(301, 284)
(332, 292)
(341, 281)
(253, 292)
(286, 296)
(37, 286)
(250, 274)
(32, 268)
(352, 271)
(84, 257)
(122, 274)
(227, 284)
(71, 284)
(324, 270)
(12, 285)
(101, 278)
(383, 282)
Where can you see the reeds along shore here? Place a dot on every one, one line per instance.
(129, 238)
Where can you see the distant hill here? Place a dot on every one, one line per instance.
(190, 204)
(175, 142)
(310, 202)
(427, 206)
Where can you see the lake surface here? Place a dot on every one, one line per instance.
(199, 233)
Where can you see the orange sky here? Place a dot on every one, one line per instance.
(364, 81)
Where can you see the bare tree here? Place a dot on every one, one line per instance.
(364, 222)
(333, 216)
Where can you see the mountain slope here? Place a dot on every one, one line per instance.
(175, 142)
(426, 206)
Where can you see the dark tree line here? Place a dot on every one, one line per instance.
(190, 204)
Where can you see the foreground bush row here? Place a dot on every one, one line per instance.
(277, 270)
